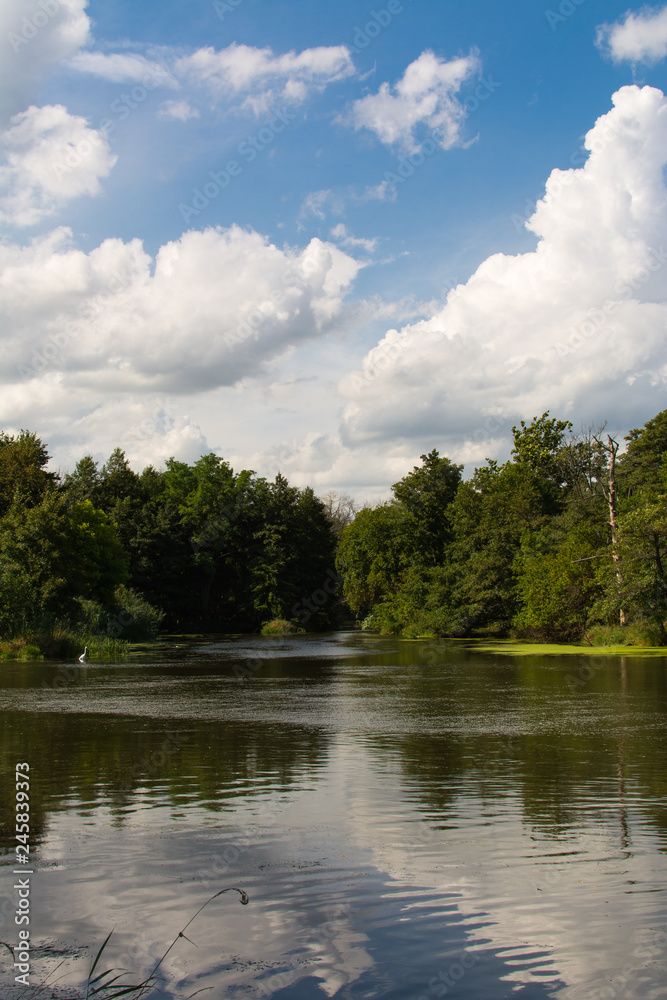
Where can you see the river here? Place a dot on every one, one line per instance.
(409, 819)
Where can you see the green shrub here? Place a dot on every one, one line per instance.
(637, 634)
(19, 649)
(31, 653)
(130, 617)
(280, 626)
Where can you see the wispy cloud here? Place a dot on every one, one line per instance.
(177, 110)
(345, 239)
(261, 75)
(238, 76)
(122, 67)
(383, 191)
(319, 203)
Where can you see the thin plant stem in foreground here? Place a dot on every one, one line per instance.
(99, 986)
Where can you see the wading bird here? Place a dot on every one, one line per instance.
(84, 656)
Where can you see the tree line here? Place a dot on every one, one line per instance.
(190, 547)
(563, 542)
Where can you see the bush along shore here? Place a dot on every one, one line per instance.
(103, 631)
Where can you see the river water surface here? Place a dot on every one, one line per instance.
(409, 820)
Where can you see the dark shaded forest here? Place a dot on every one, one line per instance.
(112, 552)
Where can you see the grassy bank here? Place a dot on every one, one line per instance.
(60, 645)
(637, 636)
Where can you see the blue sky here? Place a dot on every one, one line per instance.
(355, 177)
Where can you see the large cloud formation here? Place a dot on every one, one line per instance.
(115, 347)
(211, 308)
(573, 324)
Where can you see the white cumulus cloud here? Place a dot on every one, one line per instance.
(425, 95)
(640, 37)
(51, 157)
(577, 325)
(210, 309)
(36, 34)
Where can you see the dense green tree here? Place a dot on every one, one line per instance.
(23, 461)
(642, 524)
(559, 579)
(53, 554)
(562, 568)
(294, 550)
(84, 482)
(643, 555)
(491, 512)
(119, 494)
(218, 514)
(426, 494)
(422, 604)
(118, 481)
(210, 547)
(384, 554)
(538, 445)
(643, 467)
(205, 498)
(451, 566)
(100, 562)
(314, 565)
(159, 550)
(38, 554)
(372, 556)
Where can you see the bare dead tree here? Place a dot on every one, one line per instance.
(609, 489)
(582, 464)
(341, 509)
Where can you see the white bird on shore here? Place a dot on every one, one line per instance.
(84, 656)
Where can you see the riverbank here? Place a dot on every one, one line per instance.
(631, 638)
(71, 645)
(60, 645)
